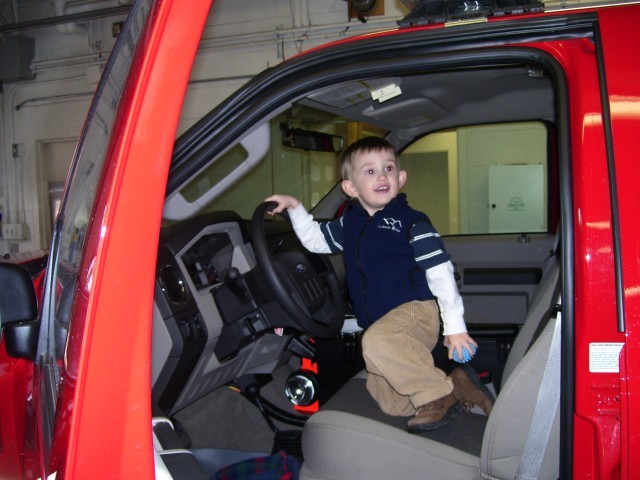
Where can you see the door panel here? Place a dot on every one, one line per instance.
(498, 274)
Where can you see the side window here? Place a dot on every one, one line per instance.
(78, 202)
(71, 234)
(481, 179)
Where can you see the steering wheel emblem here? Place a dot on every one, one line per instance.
(300, 268)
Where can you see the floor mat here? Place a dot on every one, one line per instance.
(226, 419)
(288, 441)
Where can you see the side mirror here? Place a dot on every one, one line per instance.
(18, 312)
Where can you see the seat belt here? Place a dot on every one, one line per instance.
(544, 412)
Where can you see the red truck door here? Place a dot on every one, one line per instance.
(621, 68)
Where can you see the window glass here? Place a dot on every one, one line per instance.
(75, 215)
(481, 179)
(470, 180)
(306, 174)
(218, 170)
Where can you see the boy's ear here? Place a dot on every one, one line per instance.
(402, 178)
(349, 188)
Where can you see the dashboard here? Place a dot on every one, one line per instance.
(213, 319)
(208, 261)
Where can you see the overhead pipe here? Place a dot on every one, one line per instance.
(61, 7)
(73, 17)
(300, 13)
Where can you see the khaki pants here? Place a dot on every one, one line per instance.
(397, 353)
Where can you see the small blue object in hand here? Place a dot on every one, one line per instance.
(466, 356)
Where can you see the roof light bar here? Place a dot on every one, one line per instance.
(441, 11)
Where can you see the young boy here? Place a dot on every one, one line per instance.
(398, 273)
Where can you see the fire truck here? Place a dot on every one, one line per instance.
(166, 285)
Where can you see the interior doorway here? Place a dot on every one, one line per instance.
(54, 159)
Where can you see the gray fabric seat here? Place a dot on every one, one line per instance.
(351, 439)
(545, 294)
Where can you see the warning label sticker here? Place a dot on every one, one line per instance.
(604, 357)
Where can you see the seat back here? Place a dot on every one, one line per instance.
(537, 315)
(512, 416)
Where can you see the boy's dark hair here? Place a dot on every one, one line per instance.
(364, 145)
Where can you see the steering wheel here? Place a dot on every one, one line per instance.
(304, 284)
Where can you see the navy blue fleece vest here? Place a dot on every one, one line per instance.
(381, 269)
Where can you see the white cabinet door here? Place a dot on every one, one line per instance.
(517, 198)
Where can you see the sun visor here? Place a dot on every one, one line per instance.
(206, 186)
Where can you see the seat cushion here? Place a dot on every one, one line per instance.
(352, 427)
(464, 432)
(339, 445)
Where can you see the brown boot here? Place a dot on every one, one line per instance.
(469, 389)
(435, 414)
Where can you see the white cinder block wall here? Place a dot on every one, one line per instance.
(40, 119)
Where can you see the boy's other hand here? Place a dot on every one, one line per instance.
(457, 342)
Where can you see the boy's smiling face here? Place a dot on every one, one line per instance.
(374, 179)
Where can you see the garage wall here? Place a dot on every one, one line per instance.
(241, 38)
